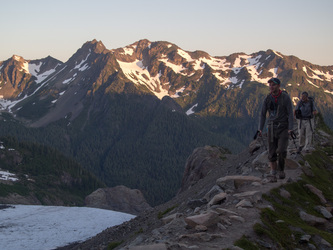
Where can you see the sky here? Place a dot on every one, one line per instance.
(48, 227)
(35, 29)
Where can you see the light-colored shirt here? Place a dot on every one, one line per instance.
(305, 108)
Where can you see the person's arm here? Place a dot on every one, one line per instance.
(290, 115)
(262, 117)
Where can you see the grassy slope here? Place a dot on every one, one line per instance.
(283, 226)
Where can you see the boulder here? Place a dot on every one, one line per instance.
(218, 199)
(324, 212)
(236, 181)
(317, 192)
(119, 198)
(311, 219)
(285, 194)
(244, 203)
(171, 217)
(208, 219)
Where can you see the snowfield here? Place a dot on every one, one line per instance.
(48, 227)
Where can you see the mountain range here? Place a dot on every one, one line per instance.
(195, 80)
(132, 115)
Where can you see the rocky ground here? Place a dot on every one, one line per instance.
(214, 210)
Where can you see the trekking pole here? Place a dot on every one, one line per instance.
(256, 135)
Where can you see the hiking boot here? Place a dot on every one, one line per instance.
(282, 175)
(271, 178)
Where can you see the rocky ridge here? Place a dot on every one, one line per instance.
(222, 207)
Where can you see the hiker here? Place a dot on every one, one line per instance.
(305, 111)
(279, 124)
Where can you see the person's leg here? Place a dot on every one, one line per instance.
(308, 135)
(273, 166)
(301, 134)
(272, 156)
(282, 152)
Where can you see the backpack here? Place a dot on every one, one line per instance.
(298, 112)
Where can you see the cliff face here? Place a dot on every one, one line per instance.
(234, 205)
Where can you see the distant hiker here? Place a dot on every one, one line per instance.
(279, 124)
(304, 112)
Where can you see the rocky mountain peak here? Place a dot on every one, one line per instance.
(94, 46)
(143, 43)
(17, 58)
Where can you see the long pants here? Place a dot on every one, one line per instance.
(277, 145)
(305, 131)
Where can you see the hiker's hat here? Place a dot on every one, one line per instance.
(274, 80)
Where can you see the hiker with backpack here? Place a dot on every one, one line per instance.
(280, 126)
(304, 112)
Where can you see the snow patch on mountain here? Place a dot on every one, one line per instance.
(317, 74)
(237, 62)
(254, 61)
(312, 83)
(241, 84)
(326, 75)
(175, 67)
(218, 76)
(67, 81)
(7, 176)
(276, 53)
(139, 74)
(198, 65)
(216, 64)
(8, 104)
(178, 92)
(128, 51)
(185, 55)
(191, 110)
(25, 67)
(252, 65)
(34, 70)
(81, 66)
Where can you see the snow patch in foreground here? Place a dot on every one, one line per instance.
(49, 227)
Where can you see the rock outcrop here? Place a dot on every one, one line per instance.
(119, 198)
(200, 162)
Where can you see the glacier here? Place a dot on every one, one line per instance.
(48, 227)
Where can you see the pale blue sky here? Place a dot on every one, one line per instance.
(35, 29)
